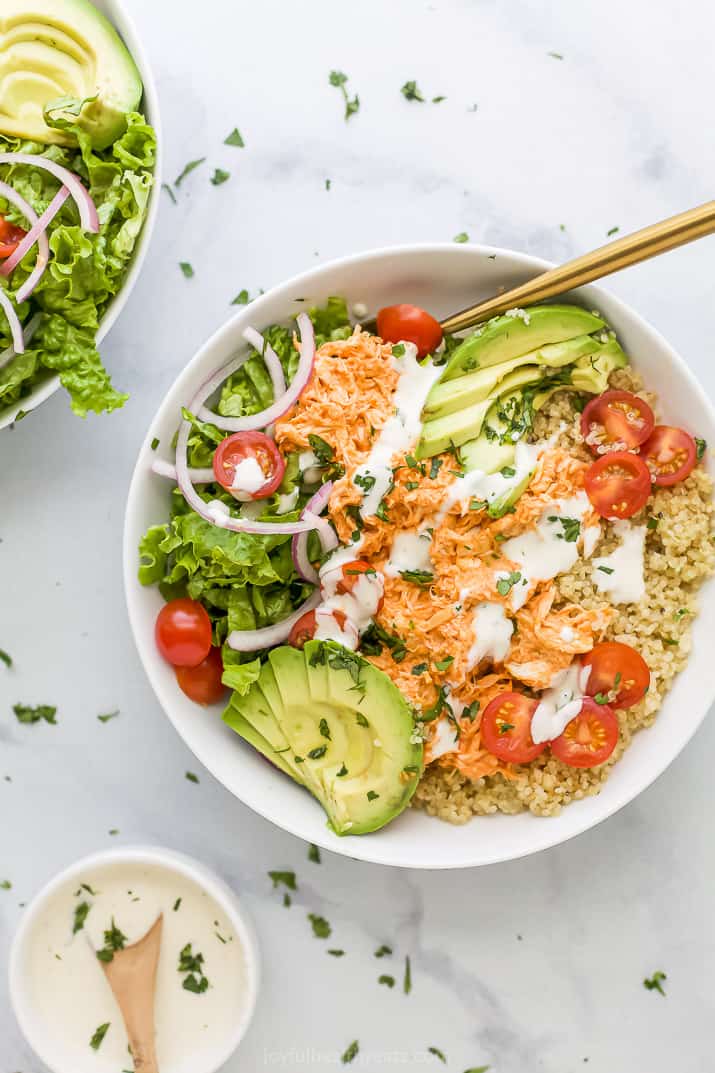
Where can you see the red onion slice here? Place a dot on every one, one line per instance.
(197, 476)
(280, 405)
(268, 636)
(328, 539)
(36, 234)
(13, 320)
(88, 217)
(30, 328)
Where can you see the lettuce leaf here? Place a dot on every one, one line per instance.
(85, 271)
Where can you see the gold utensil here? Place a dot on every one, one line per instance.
(629, 250)
(131, 974)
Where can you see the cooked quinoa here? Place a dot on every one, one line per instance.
(679, 555)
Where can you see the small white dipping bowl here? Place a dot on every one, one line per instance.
(49, 383)
(79, 1057)
(441, 278)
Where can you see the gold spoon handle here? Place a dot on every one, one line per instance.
(629, 250)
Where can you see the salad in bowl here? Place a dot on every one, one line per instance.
(77, 179)
(456, 574)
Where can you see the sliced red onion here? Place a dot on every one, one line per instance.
(30, 328)
(273, 362)
(88, 217)
(18, 341)
(198, 476)
(281, 405)
(36, 234)
(328, 539)
(268, 636)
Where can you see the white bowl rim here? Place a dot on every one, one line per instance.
(116, 12)
(171, 859)
(546, 835)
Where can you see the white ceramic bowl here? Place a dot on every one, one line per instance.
(442, 278)
(31, 1023)
(48, 384)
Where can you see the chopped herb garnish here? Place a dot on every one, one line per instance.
(324, 728)
(612, 231)
(234, 138)
(504, 727)
(601, 698)
(176, 905)
(571, 528)
(372, 796)
(701, 447)
(388, 981)
(187, 269)
(350, 1052)
(361, 720)
(655, 982)
(669, 640)
(436, 709)
(114, 939)
(461, 237)
(343, 771)
(80, 915)
(321, 449)
(471, 711)
(318, 752)
(419, 668)
(191, 777)
(113, 831)
(336, 953)
(398, 350)
(407, 980)
(418, 577)
(444, 664)
(7, 660)
(155, 443)
(188, 169)
(439, 99)
(555, 55)
(364, 480)
(478, 504)
(192, 964)
(411, 485)
(352, 105)
(285, 878)
(383, 951)
(106, 716)
(505, 584)
(477, 1069)
(410, 91)
(435, 467)
(287, 900)
(241, 298)
(99, 1034)
(313, 853)
(381, 511)
(411, 462)
(220, 176)
(681, 613)
(26, 714)
(328, 184)
(507, 471)
(170, 192)
(437, 1053)
(321, 928)
(652, 523)
(605, 569)
(6, 885)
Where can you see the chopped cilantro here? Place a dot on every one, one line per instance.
(477, 1069)
(605, 569)
(571, 528)
(461, 237)
(372, 796)
(187, 269)
(555, 55)
(191, 777)
(669, 640)
(505, 584)
(398, 350)
(364, 480)
(411, 485)
(652, 523)
(655, 982)
(155, 443)
(471, 711)
(234, 138)
(439, 99)
(444, 664)
(339, 80)
(350, 1052)
(176, 905)
(419, 668)
(7, 660)
(435, 467)
(701, 447)
(410, 91)
(318, 752)
(192, 963)
(313, 853)
(507, 471)
(241, 298)
(321, 928)
(114, 939)
(188, 168)
(80, 915)
(436, 709)
(99, 1034)
(27, 714)
(220, 176)
(383, 951)
(285, 878)
(324, 728)
(287, 900)
(381, 512)
(407, 980)
(170, 192)
(321, 449)
(437, 1053)
(343, 771)
(336, 953)
(5, 885)
(327, 184)
(388, 981)
(681, 613)
(106, 716)
(361, 720)
(418, 577)
(612, 231)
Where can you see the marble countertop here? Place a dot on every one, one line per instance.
(561, 121)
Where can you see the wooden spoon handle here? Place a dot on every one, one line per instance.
(629, 250)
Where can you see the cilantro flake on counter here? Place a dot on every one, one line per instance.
(235, 139)
(337, 953)
(388, 981)
(350, 1052)
(321, 927)
(655, 982)
(612, 231)
(99, 1034)
(287, 879)
(461, 237)
(187, 269)
(191, 777)
(155, 443)
(5, 885)
(175, 906)
(170, 192)
(6, 658)
(313, 853)
(339, 80)
(383, 951)
(438, 1054)
(411, 92)
(188, 168)
(407, 981)
(220, 176)
(25, 713)
(106, 716)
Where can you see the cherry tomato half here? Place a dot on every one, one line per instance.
(618, 484)
(589, 738)
(350, 574)
(409, 324)
(242, 445)
(10, 237)
(670, 454)
(616, 420)
(183, 632)
(203, 683)
(304, 629)
(506, 728)
(618, 673)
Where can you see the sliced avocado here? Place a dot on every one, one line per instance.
(591, 372)
(459, 427)
(502, 504)
(504, 338)
(247, 731)
(258, 708)
(61, 52)
(448, 396)
(486, 455)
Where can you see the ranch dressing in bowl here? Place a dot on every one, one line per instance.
(60, 991)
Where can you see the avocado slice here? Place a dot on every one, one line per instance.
(63, 51)
(448, 396)
(259, 713)
(459, 427)
(504, 338)
(247, 731)
(591, 372)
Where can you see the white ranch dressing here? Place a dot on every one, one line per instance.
(344, 554)
(543, 552)
(309, 467)
(401, 429)
(410, 551)
(445, 738)
(71, 996)
(623, 579)
(248, 477)
(560, 703)
(359, 605)
(328, 628)
(492, 634)
(287, 501)
(487, 487)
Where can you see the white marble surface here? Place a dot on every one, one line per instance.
(535, 965)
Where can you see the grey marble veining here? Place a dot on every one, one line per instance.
(530, 966)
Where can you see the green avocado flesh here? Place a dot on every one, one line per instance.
(55, 52)
(338, 726)
(508, 337)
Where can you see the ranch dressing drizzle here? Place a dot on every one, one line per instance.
(560, 703)
(401, 429)
(490, 486)
(410, 551)
(248, 477)
(492, 634)
(620, 574)
(72, 997)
